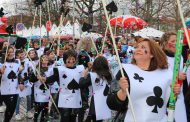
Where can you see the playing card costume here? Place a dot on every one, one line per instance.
(9, 86)
(24, 75)
(27, 91)
(149, 91)
(54, 87)
(9, 80)
(99, 92)
(69, 97)
(41, 94)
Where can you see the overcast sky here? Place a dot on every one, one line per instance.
(1, 2)
(10, 6)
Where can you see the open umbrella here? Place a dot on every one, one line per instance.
(149, 32)
(128, 21)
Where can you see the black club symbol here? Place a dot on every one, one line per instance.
(156, 100)
(137, 77)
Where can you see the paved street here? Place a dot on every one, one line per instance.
(24, 120)
(23, 112)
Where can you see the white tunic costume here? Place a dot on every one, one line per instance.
(100, 92)
(27, 85)
(54, 88)
(69, 93)
(149, 91)
(42, 95)
(9, 81)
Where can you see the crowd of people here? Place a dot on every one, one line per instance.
(71, 82)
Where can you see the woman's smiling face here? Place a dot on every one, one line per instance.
(142, 51)
(171, 44)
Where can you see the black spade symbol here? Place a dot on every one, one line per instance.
(86, 27)
(64, 76)
(106, 90)
(12, 75)
(1, 12)
(42, 87)
(137, 77)
(156, 100)
(38, 2)
(111, 7)
(73, 85)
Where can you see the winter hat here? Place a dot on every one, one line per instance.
(83, 58)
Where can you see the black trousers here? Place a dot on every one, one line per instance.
(68, 114)
(53, 111)
(10, 102)
(1, 102)
(187, 103)
(92, 118)
(41, 107)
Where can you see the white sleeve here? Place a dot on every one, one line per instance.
(188, 75)
(181, 64)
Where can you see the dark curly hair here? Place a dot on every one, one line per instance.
(69, 53)
(100, 66)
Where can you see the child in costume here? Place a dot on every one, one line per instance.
(69, 100)
(41, 93)
(54, 88)
(100, 79)
(10, 83)
(27, 90)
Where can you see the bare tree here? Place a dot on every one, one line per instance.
(156, 11)
(172, 12)
(149, 10)
(88, 8)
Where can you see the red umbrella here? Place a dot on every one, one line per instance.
(128, 21)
